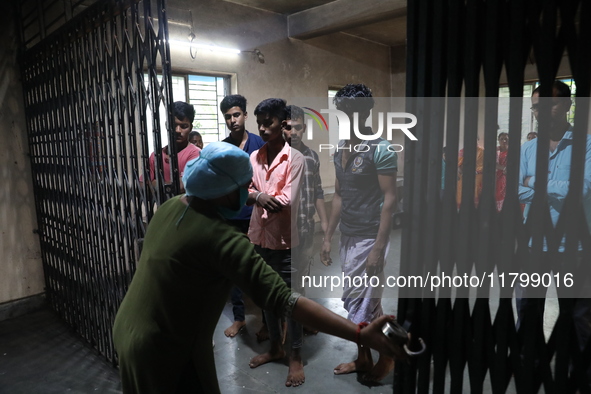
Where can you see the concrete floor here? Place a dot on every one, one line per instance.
(40, 354)
(321, 353)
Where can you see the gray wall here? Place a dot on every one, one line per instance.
(21, 272)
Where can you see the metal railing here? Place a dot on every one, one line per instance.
(454, 48)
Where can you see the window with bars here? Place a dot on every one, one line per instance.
(205, 93)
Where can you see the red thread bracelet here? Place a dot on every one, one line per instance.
(358, 332)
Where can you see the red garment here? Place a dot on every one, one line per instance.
(183, 157)
(501, 179)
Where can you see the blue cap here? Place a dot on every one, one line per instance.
(220, 169)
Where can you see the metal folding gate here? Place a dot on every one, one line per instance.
(454, 48)
(88, 101)
(93, 90)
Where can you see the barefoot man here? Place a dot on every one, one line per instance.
(365, 195)
(277, 173)
(233, 108)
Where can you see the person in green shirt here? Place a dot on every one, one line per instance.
(191, 259)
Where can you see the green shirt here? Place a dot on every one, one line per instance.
(178, 292)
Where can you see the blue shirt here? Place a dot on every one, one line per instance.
(253, 142)
(559, 163)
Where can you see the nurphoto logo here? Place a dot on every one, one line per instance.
(345, 128)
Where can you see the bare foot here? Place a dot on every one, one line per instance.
(234, 329)
(296, 376)
(364, 363)
(276, 353)
(263, 334)
(354, 366)
(380, 370)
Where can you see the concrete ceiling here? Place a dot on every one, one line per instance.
(390, 32)
(381, 21)
(281, 6)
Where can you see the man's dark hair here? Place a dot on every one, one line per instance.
(503, 133)
(294, 112)
(182, 110)
(532, 133)
(194, 133)
(274, 107)
(562, 89)
(354, 98)
(234, 100)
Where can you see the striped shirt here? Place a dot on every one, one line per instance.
(310, 191)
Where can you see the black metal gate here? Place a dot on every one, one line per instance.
(454, 48)
(92, 95)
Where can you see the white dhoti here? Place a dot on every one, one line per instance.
(361, 300)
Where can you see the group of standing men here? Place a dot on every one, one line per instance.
(164, 326)
(284, 194)
(287, 192)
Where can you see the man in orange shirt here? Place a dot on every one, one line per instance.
(277, 173)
